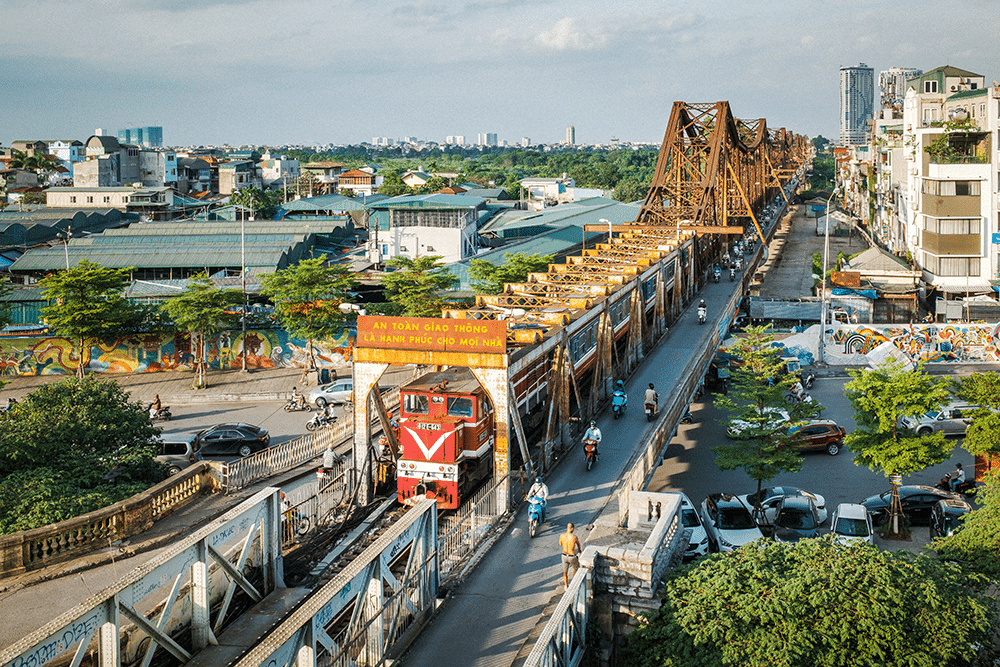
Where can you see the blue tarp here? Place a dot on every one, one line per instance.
(845, 291)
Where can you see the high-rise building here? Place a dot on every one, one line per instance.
(149, 137)
(525, 142)
(487, 139)
(892, 86)
(857, 103)
(455, 139)
(571, 135)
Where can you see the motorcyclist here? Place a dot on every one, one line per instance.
(593, 433)
(702, 313)
(716, 272)
(328, 413)
(620, 391)
(651, 397)
(540, 491)
(156, 403)
(957, 476)
(297, 398)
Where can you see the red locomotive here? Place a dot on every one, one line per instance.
(446, 438)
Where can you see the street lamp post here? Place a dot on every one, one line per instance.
(826, 259)
(69, 235)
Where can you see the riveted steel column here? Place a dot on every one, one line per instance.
(109, 646)
(495, 381)
(366, 375)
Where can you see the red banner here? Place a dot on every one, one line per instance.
(428, 333)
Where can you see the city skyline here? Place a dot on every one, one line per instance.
(306, 72)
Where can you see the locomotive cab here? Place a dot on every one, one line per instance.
(446, 438)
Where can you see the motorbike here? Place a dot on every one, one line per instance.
(966, 488)
(535, 508)
(319, 421)
(650, 411)
(732, 273)
(618, 402)
(716, 274)
(163, 413)
(590, 452)
(293, 406)
(797, 394)
(807, 379)
(687, 418)
(702, 315)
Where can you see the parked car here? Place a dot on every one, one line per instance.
(770, 499)
(698, 541)
(727, 522)
(797, 519)
(954, 419)
(178, 451)
(917, 500)
(738, 426)
(852, 523)
(946, 516)
(819, 435)
(233, 438)
(337, 393)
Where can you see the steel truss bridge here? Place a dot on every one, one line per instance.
(715, 177)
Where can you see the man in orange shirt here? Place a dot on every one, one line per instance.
(570, 553)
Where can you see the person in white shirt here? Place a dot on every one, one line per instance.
(593, 433)
(957, 476)
(540, 491)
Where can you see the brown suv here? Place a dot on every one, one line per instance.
(819, 434)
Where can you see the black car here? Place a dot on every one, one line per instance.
(917, 501)
(946, 517)
(797, 519)
(233, 438)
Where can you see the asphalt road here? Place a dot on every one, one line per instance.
(689, 463)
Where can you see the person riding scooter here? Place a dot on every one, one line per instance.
(298, 400)
(702, 314)
(651, 398)
(619, 399)
(540, 491)
(716, 273)
(593, 433)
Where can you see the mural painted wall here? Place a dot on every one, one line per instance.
(933, 343)
(266, 348)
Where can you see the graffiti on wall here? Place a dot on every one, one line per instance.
(265, 348)
(849, 344)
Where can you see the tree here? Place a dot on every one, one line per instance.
(87, 302)
(392, 184)
(263, 203)
(881, 398)
(58, 443)
(307, 299)
(977, 543)
(983, 434)
(433, 184)
(200, 311)
(761, 445)
(489, 278)
(816, 603)
(414, 287)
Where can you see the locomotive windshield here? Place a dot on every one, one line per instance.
(459, 406)
(416, 404)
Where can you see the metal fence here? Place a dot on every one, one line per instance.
(563, 641)
(461, 533)
(311, 505)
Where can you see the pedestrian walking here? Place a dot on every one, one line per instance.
(570, 544)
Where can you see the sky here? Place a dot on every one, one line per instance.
(315, 72)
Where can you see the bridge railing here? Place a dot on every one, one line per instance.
(460, 534)
(309, 505)
(40, 547)
(281, 458)
(563, 641)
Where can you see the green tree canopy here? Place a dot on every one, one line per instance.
(307, 299)
(200, 311)
(414, 289)
(58, 443)
(433, 184)
(392, 184)
(880, 398)
(983, 389)
(87, 302)
(262, 203)
(489, 278)
(818, 604)
(761, 447)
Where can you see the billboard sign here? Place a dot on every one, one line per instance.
(433, 334)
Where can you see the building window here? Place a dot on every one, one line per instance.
(107, 199)
(951, 266)
(930, 86)
(952, 225)
(90, 200)
(72, 199)
(950, 188)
